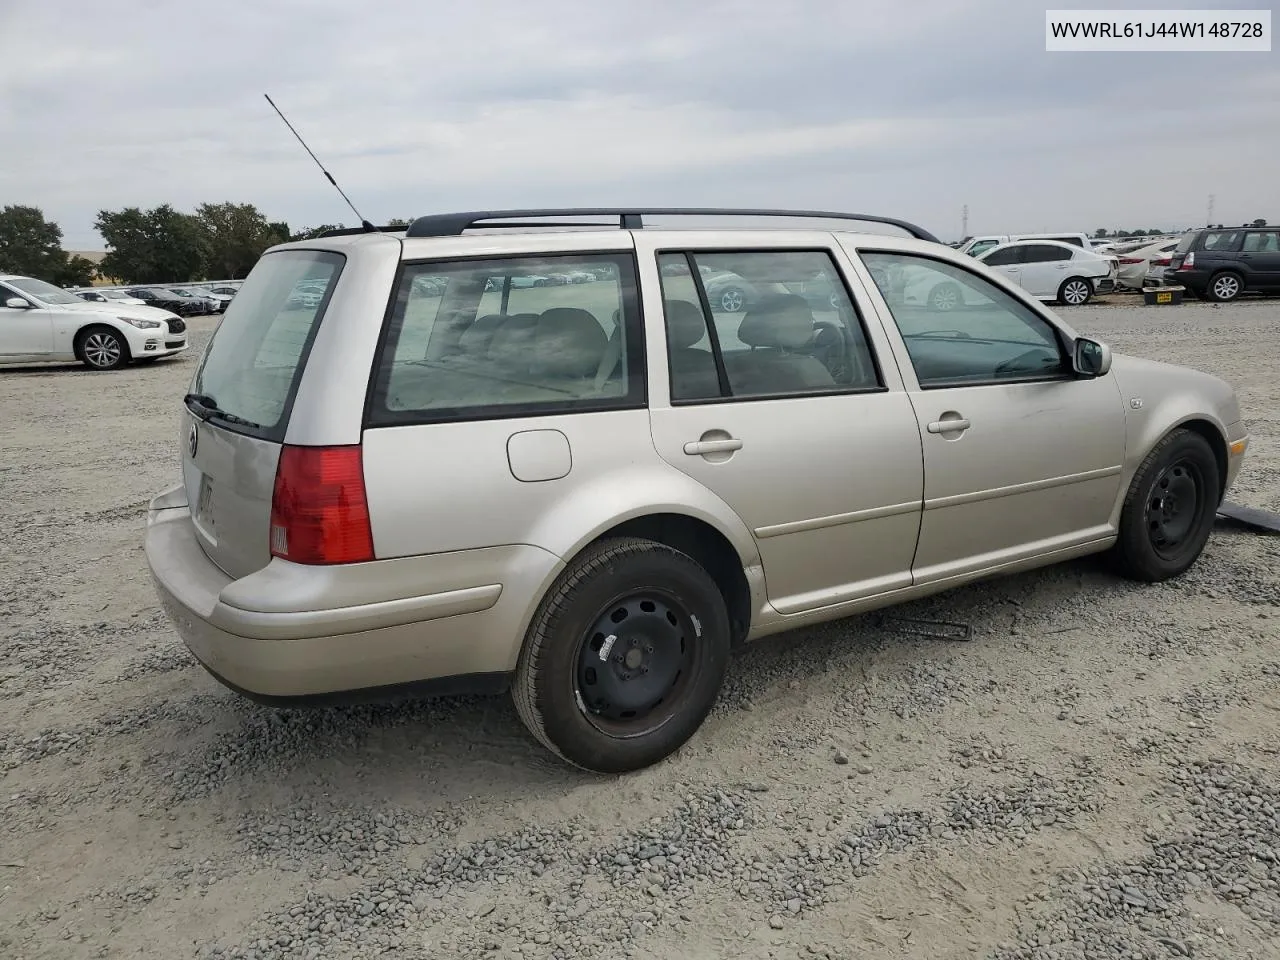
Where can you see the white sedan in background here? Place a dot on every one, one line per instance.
(1052, 270)
(1136, 264)
(42, 322)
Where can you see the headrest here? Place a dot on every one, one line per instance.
(780, 320)
(512, 339)
(685, 325)
(477, 337)
(568, 342)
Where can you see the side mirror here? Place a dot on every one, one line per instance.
(1092, 359)
(16, 303)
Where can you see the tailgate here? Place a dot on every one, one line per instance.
(229, 479)
(240, 401)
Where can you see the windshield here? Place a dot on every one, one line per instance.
(253, 362)
(45, 292)
(116, 295)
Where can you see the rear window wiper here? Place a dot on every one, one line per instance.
(204, 406)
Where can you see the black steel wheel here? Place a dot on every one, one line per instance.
(624, 657)
(1169, 508)
(634, 663)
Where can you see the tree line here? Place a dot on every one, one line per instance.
(1102, 232)
(219, 241)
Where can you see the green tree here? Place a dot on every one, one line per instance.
(75, 272)
(32, 246)
(160, 245)
(235, 236)
(1100, 233)
(310, 233)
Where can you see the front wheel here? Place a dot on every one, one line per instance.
(1169, 509)
(945, 296)
(101, 348)
(1075, 292)
(624, 657)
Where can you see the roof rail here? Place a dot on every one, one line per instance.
(629, 218)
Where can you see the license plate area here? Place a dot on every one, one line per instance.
(204, 507)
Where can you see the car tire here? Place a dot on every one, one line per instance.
(945, 297)
(1075, 292)
(101, 348)
(583, 686)
(1225, 286)
(1169, 509)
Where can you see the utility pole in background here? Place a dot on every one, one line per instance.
(964, 221)
(1209, 221)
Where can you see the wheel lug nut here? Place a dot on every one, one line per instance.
(648, 648)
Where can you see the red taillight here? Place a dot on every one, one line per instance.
(1188, 262)
(319, 512)
(1131, 260)
(1162, 261)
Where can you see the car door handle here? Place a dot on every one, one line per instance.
(949, 426)
(698, 448)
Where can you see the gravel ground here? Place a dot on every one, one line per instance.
(1096, 773)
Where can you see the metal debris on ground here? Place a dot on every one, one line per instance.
(940, 629)
(1264, 521)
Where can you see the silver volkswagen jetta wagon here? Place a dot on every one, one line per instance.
(584, 463)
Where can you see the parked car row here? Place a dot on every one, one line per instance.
(188, 300)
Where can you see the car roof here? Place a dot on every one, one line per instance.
(1030, 240)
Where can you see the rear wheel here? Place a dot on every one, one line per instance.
(625, 656)
(1225, 286)
(101, 348)
(732, 300)
(1075, 292)
(1169, 509)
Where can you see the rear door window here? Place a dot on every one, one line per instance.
(255, 358)
(519, 336)
(1221, 240)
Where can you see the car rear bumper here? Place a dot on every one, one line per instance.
(294, 631)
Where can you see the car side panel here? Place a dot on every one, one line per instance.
(1158, 397)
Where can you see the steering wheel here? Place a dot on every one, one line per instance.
(830, 347)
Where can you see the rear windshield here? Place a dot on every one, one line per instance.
(1184, 245)
(252, 365)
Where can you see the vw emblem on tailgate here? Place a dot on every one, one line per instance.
(193, 441)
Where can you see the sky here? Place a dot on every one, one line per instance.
(905, 109)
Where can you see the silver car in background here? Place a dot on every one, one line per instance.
(406, 467)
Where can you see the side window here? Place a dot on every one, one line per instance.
(761, 323)
(1005, 257)
(1045, 253)
(986, 335)
(5, 294)
(1221, 240)
(982, 246)
(519, 336)
(1260, 242)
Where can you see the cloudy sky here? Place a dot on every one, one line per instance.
(909, 109)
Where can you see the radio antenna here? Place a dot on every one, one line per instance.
(363, 222)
